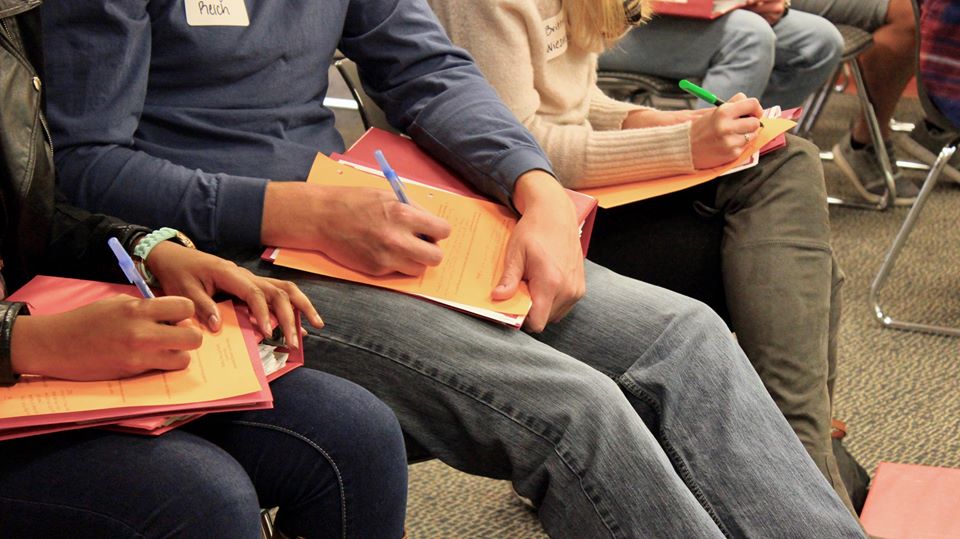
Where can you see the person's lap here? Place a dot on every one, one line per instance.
(324, 438)
(558, 413)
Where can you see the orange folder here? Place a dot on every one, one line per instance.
(414, 165)
(225, 373)
(908, 501)
(473, 254)
(610, 196)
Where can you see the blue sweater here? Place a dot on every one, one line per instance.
(164, 123)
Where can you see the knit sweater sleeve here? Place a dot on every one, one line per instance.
(504, 36)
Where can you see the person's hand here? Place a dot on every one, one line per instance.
(544, 250)
(771, 10)
(368, 230)
(639, 119)
(198, 275)
(108, 339)
(719, 137)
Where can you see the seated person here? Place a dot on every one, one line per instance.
(776, 263)
(762, 49)
(186, 116)
(887, 68)
(329, 454)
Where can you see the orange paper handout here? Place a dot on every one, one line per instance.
(610, 196)
(472, 256)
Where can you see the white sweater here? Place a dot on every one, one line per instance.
(550, 84)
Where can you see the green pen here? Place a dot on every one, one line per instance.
(700, 93)
(703, 94)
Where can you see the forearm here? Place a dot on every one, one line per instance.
(216, 210)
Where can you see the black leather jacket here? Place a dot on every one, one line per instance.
(37, 233)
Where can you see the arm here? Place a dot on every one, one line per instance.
(95, 107)
(500, 35)
(435, 93)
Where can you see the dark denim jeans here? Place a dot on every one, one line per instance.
(329, 454)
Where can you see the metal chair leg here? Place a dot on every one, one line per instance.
(879, 148)
(813, 106)
(884, 318)
(266, 524)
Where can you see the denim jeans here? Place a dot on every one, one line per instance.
(329, 454)
(738, 52)
(637, 415)
(781, 283)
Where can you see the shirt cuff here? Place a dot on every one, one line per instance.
(240, 211)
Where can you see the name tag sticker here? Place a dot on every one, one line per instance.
(216, 13)
(555, 29)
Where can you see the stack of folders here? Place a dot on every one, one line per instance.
(475, 250)
(230, 371)
(696, 9)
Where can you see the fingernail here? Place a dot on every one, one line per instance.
(213, 321)
(295, 342)
(320, 323)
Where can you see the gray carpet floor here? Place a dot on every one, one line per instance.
(899, 392)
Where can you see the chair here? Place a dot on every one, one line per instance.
(855, 42)
(370, 114)
(925, 35)
(641, 88)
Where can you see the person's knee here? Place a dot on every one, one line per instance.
(826, 45)
(204, 493)
(751, 33)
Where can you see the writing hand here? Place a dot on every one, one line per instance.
(198, 276)
(113, 338)
(368, 230)
(544, 250)
(720, 136)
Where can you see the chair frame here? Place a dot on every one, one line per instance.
(934, 115)
(814, 106)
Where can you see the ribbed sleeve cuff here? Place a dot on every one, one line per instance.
(636, 154)
(608, 114)
(240, 211)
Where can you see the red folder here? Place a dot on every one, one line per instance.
(697, 9)
(913, 501)
(51, 295)
(413, 164)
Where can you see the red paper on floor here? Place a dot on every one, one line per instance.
(913, 501)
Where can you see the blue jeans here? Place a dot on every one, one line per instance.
(329, 454)
(637, 415)
(738, 52)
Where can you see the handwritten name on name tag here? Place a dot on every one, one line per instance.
(555, 30)
(216, 13)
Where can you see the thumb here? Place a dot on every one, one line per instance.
(512, 273)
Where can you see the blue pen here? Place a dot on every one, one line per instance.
(126, 264)
(392, 177)
(395, 183)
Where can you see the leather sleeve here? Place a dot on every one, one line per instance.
(78, 244)
(8, 315)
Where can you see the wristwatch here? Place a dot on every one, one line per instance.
(146, 244)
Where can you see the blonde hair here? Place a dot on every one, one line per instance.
(597, 24)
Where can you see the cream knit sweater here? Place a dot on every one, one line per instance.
(550, 84)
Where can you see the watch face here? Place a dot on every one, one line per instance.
(184, 240)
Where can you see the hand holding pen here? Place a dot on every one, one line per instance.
(721, 137)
